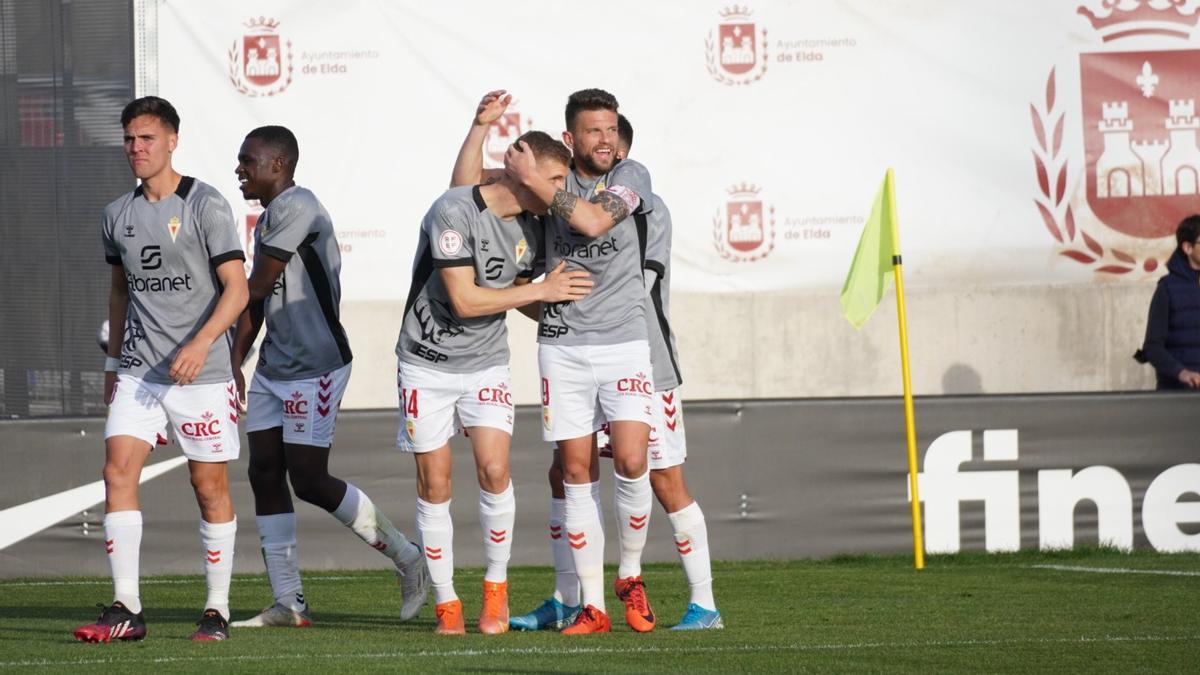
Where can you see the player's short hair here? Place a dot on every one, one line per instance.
(625, 131)
(545, 147)
(151, 105)
(1188, 231)
(588, 99)
(282, 139)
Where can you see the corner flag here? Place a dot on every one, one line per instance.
(871, 271)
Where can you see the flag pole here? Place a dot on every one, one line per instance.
(909, 421)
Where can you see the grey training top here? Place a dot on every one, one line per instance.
(663, 353)
(459, 230)
(614, 311)
(170, 250)
(305, 337)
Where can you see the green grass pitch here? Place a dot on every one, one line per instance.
(1082, 611)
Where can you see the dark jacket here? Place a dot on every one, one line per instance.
(1173, 329)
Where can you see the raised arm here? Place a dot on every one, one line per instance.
(468, 166)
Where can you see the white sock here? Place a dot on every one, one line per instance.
(691, 541)
(277, 534)
(217, 539)
(585, 537)
(496, 515)
(596, 498)
(436, 530)
(358, 513)
(566, 584)
(633, 498)
(123, 541)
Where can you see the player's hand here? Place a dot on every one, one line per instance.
(561, 285)
(110, 387)
(1190, 378)
(189, 361)
(492, 106)
(519, 162)
(240, 380)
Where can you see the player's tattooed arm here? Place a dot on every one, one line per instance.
(563, 204)
(612, 205)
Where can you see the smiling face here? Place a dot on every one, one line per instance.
(258, 169)
(593, 141)
(148, 146)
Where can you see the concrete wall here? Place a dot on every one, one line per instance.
(1014, 339)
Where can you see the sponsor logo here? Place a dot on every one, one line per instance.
(296, 406)
(493, 268)
(503, 133)
(450, 242)
(744, 229)
(943, 487)
(260, 63)
(551, 332)
(428, 353)
(207, 427)
(151, 257)
(736, 51)
(586, 251)
(168, 284)
(129, 230)
(298, 427)
(638, 385)
(495, 395)
(173, 227)
(1115, 208)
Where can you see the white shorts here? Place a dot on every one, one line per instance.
(434, 405)
(203, 416)
(668, 444)
(306, 409)
(578, 381)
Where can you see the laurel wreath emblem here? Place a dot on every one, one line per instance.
(710, 55)
(721, 244)
(1076, 243)
(235, 74)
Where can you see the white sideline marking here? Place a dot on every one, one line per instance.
(26, 520)
(1115, 570)
(171, 582)
(569, 651)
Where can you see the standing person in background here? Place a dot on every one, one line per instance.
(1172, 342)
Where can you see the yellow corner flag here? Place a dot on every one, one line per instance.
(871, 270)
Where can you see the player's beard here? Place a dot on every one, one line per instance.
(585, 162)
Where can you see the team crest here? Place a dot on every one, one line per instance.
(1115, 208)
(737, 50)
(503, 133)
(520, 249)
(260, 63)
(173, 227)
(744, 229)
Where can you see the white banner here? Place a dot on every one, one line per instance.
(1033, 142)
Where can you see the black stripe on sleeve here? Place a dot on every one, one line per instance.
(656, 267)
(276, 253)
(324, 291)
(113, 259)
(664, 325)
(457, 262)
(216, 260)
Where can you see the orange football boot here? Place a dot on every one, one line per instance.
(450, 618)
(493, 618)
(632, 592)
(590, 620)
